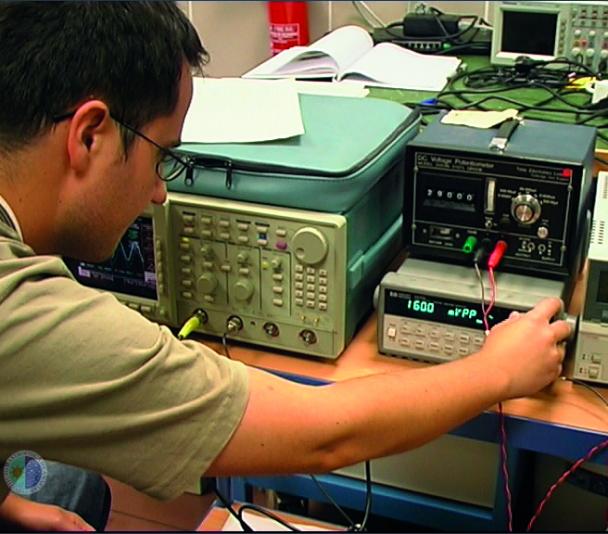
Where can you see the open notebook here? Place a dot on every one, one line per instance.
(348, 53)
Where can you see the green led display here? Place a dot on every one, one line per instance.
(423, 306)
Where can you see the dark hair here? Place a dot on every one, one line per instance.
(55, 55)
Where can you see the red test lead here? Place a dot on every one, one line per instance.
(497, 254)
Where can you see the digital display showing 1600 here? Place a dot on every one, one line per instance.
(440, 310)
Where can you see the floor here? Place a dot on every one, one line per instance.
(134, 511)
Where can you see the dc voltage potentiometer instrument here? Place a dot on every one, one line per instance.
(431, 311)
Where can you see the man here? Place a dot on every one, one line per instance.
(93, 96)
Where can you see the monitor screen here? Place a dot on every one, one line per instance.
(529, 33)
(131, 270)
(602, 287)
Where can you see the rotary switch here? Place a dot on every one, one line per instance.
(310, 245)
(207, 283)
(525, 209)
(243, 289)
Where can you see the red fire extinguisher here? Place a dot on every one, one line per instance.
(288, 25)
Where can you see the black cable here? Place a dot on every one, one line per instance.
(266, 513)
(225, 346)
(586, 386)
(228, 506)
(368, 496)
(349, 521)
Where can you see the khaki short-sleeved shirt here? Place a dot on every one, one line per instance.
(88, 382)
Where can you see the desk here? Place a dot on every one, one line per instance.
(526, 96)
(565, 421)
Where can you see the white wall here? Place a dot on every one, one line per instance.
(236, 33)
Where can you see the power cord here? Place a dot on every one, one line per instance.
(345, 516)
(228, 506)
(586, 386)
(266, 513)
(352, 526)
(429, 19)
(592, 452)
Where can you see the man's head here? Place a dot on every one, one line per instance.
(71, 74)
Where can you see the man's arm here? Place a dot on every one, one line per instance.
(32, 516)
(289, 427)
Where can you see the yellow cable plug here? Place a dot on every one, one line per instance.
(199, 318)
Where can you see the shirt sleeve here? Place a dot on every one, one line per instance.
(91, 383)
(4, 491)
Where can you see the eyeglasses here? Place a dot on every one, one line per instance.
(169, 167)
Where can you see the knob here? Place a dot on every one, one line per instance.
(276, 263)
(590, 52)
(604, 54)
(576, 51)
(525, 209)
(243, 289)
(310, 245)
(207, 283)
(205, 251)
(242, 257)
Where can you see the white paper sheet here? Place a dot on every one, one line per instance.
(234, 110)
(259, 523)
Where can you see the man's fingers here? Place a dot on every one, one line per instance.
(547, 308)
(561, 329)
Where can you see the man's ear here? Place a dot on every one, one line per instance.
(90, 129)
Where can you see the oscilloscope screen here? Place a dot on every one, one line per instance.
(131, 270)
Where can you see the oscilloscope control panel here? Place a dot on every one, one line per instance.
(265, 275)
(432, 312)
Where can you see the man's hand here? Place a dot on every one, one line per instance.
(33, 516)
(528, 348)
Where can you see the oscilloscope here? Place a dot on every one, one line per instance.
(544, 30)
(137, 272)
(279, 277)
(262, 274)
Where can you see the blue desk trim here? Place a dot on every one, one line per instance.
(395, 503)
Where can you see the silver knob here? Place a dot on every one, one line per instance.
(525, 209)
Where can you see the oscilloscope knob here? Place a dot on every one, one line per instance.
(525, 209)
(243, 289)
(310, 245)
(207, 283)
